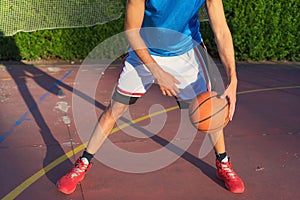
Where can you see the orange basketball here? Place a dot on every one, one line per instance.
(209, 113)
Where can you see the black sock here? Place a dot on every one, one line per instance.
(221, 156)
(88, 156)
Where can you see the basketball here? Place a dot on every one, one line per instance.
(209, 113)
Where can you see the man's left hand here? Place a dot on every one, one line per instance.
(230, 93)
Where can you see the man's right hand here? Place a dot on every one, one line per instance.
(167, 83)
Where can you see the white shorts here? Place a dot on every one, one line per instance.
(189, 69)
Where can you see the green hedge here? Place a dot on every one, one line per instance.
(262, 30)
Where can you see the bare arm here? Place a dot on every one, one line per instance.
(225, 47)
(133, 22)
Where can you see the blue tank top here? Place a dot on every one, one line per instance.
(171, 27)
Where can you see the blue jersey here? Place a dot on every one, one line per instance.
(171, 27)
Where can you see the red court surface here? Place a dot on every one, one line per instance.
(39, 140)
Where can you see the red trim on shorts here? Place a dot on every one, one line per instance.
(129, 93)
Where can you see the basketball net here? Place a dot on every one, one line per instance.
(32, 15)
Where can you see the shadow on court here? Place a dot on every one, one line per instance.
(20, 73)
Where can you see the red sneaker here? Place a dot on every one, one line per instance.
(232, 181)
(67, 184)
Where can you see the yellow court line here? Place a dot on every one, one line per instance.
(268, 89)
(143, 118)
(19, 189)
(6, 79)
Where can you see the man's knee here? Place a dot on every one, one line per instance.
(116, 110)
(127, 100)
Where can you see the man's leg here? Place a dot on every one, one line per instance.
(218, 141)
(225, 171)
(67, 184)
(105, 125)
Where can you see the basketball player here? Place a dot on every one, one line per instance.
(171, 60)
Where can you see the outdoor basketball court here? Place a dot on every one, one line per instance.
(39, 141)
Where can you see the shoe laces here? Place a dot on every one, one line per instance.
(229, 173)
(79, 168)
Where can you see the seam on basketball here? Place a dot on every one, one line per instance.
(202, 104)
(211, 115)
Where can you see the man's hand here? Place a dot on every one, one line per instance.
(230, 93)
(167, 83)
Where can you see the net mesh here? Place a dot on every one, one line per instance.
(31, 15)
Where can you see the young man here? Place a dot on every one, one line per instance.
(174, 66)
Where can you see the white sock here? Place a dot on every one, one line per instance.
(85, 160)
(225, 159)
